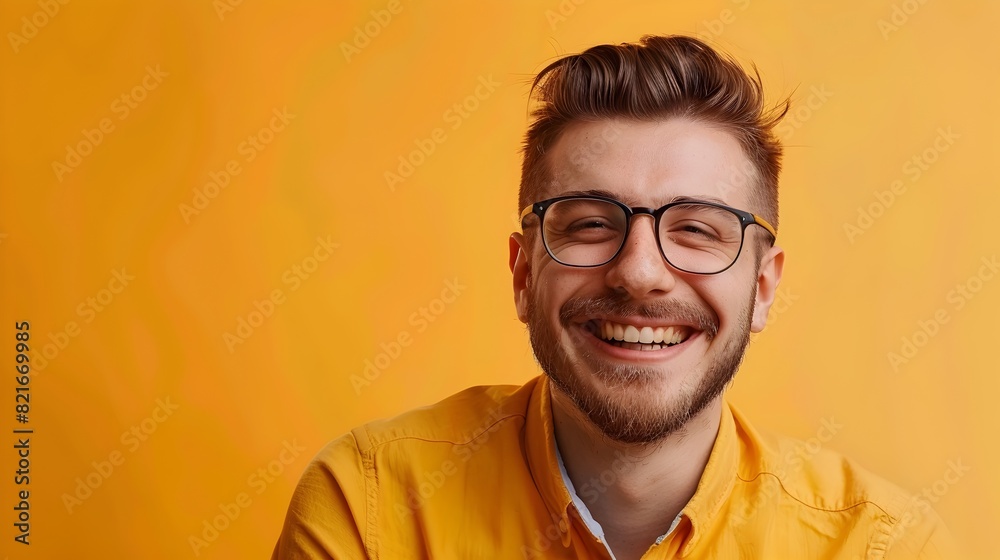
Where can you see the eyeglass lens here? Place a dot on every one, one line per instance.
(695, 237)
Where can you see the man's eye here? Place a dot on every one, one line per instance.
(696, 229)
(588, 224)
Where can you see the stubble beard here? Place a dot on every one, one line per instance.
(633, 413)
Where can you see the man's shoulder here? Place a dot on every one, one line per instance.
(458, 419)
(831, 486)
(813, 474)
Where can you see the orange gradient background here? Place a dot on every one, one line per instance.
(867, 100)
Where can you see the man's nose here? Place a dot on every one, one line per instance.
(640, 269)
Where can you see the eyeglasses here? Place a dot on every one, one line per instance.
(693, 236)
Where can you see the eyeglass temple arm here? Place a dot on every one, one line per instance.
(524, 213)
(762, 222)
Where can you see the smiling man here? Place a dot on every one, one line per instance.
(647, 257)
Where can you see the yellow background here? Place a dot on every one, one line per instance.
(868, 100)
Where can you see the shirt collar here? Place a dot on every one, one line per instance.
(543, 461)
(713, 489)
(717, 480)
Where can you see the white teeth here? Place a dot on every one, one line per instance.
(646, 335)
(631, 334)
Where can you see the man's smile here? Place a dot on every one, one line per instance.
(639, 333)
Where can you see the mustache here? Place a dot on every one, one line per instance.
(667, 311)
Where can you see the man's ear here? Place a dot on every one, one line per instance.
(768, 277)
(520, 268)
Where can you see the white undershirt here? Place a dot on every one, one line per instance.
(588, 519)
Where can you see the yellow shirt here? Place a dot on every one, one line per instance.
(478, 475)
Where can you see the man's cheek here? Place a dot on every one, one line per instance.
(574, 336)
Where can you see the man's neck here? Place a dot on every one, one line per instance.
(651, 484)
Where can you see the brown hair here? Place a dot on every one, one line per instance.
(658, 78)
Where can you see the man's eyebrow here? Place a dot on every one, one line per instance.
(699, 199)
(625, 199)
(598, 192)
(628, 201)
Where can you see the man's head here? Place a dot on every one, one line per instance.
(664, 121)
(658, 78)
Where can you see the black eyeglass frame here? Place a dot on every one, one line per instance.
(747, 219)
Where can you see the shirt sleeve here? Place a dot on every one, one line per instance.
(326, 517)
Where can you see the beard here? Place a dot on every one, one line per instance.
(632, 410)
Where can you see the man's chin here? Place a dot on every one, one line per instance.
(654, 384)
(637, 409)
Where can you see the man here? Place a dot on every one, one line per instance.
(649, 197)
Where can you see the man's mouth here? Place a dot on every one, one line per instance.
(634, 337)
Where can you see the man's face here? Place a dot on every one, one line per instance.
(633, 392)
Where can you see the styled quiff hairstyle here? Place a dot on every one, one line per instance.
(658, 78)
